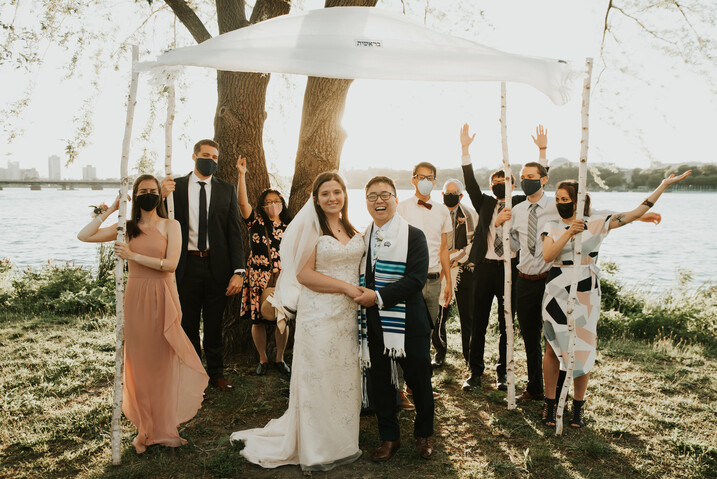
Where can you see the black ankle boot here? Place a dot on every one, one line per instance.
(578, 414)
(548, 417)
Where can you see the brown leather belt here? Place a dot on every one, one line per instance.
(201, 254)
(533, 277)
(433, 275)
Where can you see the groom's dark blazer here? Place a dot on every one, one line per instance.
(223, 228)
(417, 363)
(202, 282)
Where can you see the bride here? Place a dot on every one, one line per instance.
(320, 253)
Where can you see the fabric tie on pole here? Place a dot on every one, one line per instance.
(368, 43)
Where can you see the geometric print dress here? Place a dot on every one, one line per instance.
(587, 307)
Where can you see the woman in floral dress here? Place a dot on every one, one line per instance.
(266, 224)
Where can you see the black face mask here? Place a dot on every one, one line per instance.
(148, 201)
(530, 186)
(206, 166)
(451, 199)
(498, 190)
(565, 210)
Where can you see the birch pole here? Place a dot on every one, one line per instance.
(168, 124)
(507, 274)
(119, 267)
(577, 247)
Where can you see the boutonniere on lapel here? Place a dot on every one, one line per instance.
(461, 221)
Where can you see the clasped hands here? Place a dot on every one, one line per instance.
(364, 296)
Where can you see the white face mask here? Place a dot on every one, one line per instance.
(425, 187)
(273, 210)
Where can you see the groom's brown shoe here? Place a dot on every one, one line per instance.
(424, 446)
(385, 451)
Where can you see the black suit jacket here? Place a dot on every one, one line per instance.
(408, 289)
(485, 206)
(223, 228)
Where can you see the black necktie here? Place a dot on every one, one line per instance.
(498, 241)
(202, 237)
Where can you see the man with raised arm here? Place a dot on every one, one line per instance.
(487, 255)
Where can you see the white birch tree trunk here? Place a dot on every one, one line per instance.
(507, 288)
(578, 247)
(168, 142)
(119, 268)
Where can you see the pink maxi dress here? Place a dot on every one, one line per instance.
(163, 376)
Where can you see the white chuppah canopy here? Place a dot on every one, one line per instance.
(367, 43)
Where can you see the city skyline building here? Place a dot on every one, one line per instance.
(54, 169)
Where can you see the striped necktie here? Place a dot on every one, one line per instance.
(498, 241)
(532, 227)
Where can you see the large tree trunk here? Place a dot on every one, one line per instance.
(321, 137)
(239, 130)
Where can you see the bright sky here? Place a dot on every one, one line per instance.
(670, 113)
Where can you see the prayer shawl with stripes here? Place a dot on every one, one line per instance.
(390, 267)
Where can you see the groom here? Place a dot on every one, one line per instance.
(395, 325)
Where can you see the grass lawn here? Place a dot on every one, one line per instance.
(650, 412)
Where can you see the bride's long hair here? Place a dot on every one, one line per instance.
(320, 180)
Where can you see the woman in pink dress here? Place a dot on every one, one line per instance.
(163, 376)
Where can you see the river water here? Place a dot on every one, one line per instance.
(36, 226)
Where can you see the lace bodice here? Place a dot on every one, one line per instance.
(337, 260)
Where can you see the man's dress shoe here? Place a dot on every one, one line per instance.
(385, 451)
(405, 403)
(472, 382)
(424, 446)
(221, 384)
(502, 383)
(526, 396)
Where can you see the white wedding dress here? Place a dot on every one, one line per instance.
(320, 429)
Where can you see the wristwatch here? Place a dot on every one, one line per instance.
(240, 272)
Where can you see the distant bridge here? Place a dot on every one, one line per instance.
(61, 184)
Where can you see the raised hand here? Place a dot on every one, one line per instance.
(672, 179)
(241, 165)
(541, 137)
(466, 138)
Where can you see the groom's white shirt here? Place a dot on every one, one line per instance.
(375, 247)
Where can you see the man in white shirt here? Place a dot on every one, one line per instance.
(434, 220)
(211, 266)
(464, 221)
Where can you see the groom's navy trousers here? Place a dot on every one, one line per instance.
(416, 364)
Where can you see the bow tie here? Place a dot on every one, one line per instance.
(424, 204)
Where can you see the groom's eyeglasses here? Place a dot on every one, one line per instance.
(385, 196)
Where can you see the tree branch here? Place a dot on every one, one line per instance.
(189, 19)
(644, 27)
(231, 15)
(679, 7)
(266, 9)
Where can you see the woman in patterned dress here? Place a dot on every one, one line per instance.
(558, 247)
(266, 225)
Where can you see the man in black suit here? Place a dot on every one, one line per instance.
(211, 266)
(487, 256)
(381, 203)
